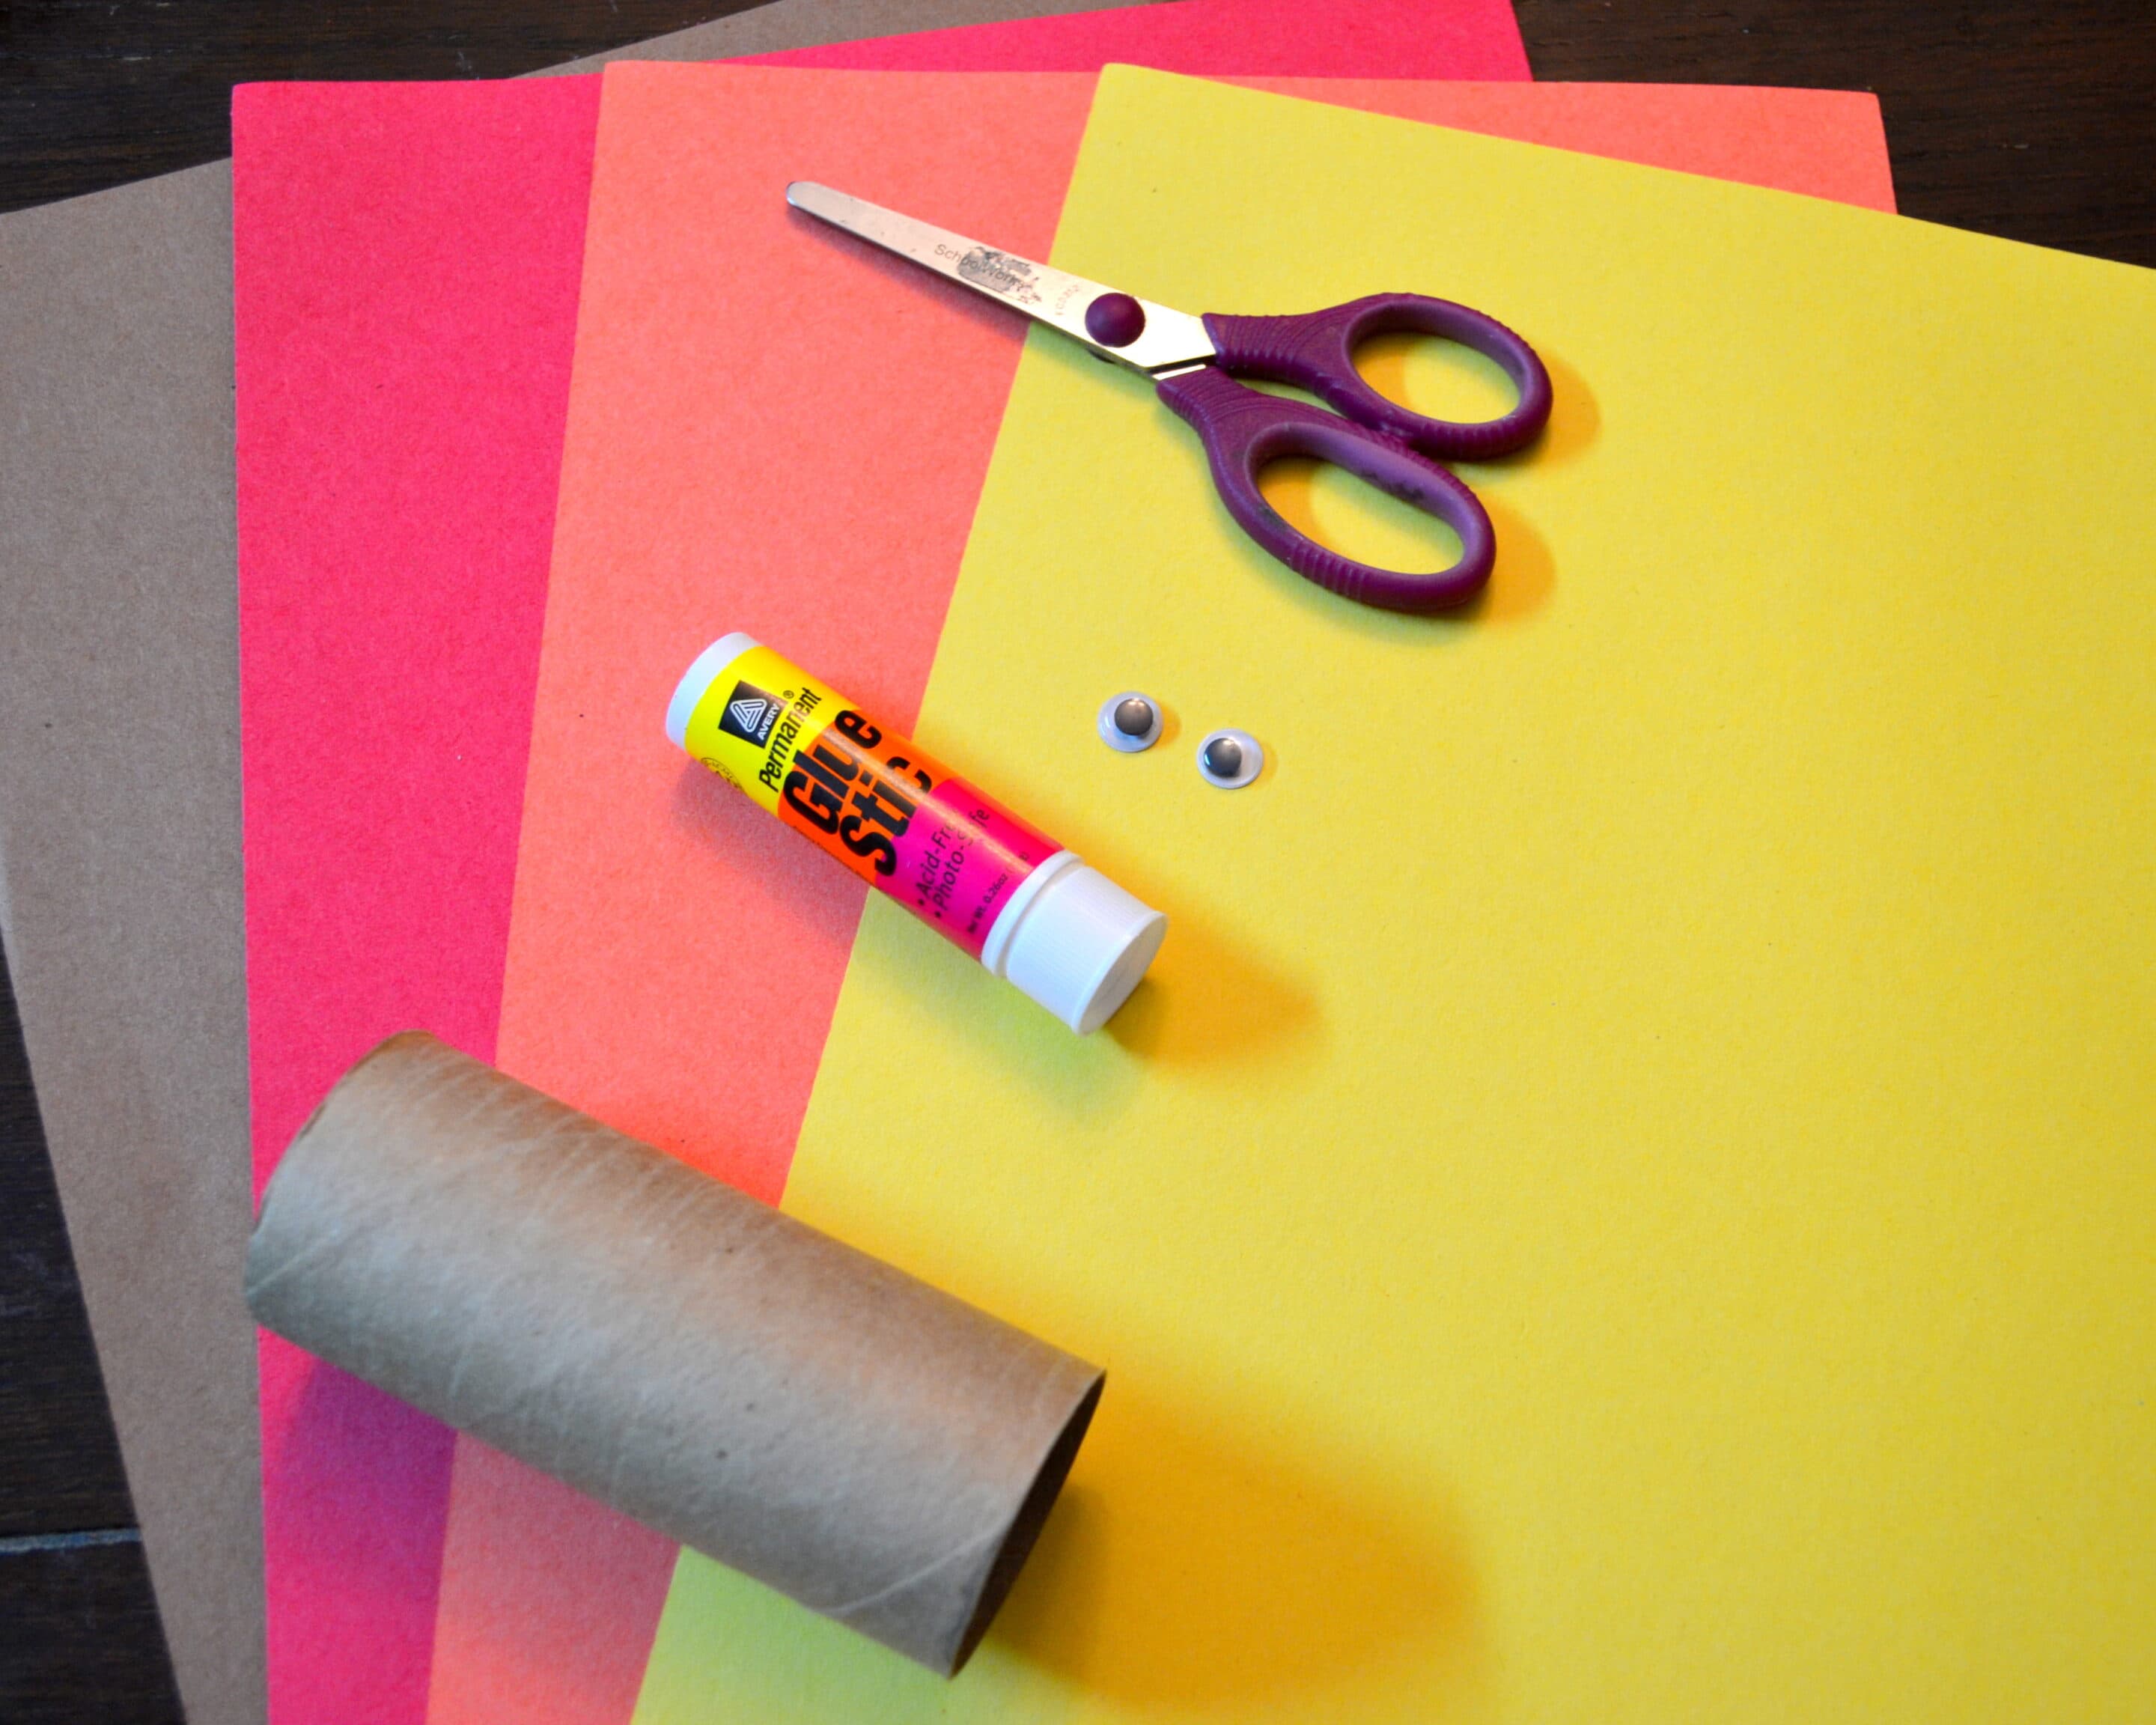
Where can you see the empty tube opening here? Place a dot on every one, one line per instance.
(1025, 1527)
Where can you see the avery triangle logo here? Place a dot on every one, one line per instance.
(749, 714)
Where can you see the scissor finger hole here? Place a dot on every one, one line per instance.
(1435, 378)
(1350, 516)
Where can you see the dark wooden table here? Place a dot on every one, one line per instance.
(2032, 118)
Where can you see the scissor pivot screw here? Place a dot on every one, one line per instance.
(1115, 320)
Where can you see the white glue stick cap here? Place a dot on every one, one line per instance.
(1073, 940)
(698, 677)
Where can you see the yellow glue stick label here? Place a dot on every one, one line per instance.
(758, 714)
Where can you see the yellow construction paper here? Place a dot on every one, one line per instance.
(1630, 1192)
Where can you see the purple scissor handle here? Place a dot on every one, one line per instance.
(1194, 363)
(1244, 430)
(1316, 351)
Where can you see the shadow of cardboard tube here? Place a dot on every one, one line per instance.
(1188, 1571)
(1190, 1567)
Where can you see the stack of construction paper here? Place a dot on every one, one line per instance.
(1627, 1190)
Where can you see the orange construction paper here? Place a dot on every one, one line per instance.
(1824, 143)
(772, 428)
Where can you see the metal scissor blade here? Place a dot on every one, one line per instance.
(1167, 341)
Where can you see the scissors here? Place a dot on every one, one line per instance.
(1193, 361)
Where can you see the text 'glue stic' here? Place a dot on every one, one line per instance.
(1064, 933)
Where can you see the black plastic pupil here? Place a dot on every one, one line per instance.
(1224, 757)
(1133, 718)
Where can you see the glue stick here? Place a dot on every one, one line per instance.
(1064, 933)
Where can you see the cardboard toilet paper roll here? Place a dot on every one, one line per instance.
(875, 1448)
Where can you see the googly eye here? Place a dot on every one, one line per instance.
(1129, 722)
(1230, 759)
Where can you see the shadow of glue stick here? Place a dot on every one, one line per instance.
(1063, 934)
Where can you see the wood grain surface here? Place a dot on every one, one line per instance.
(2034, 122)
(79, 1634)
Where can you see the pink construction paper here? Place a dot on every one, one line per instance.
(1284, 38)
(406, 261)
(406, 265)
(395, 481)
